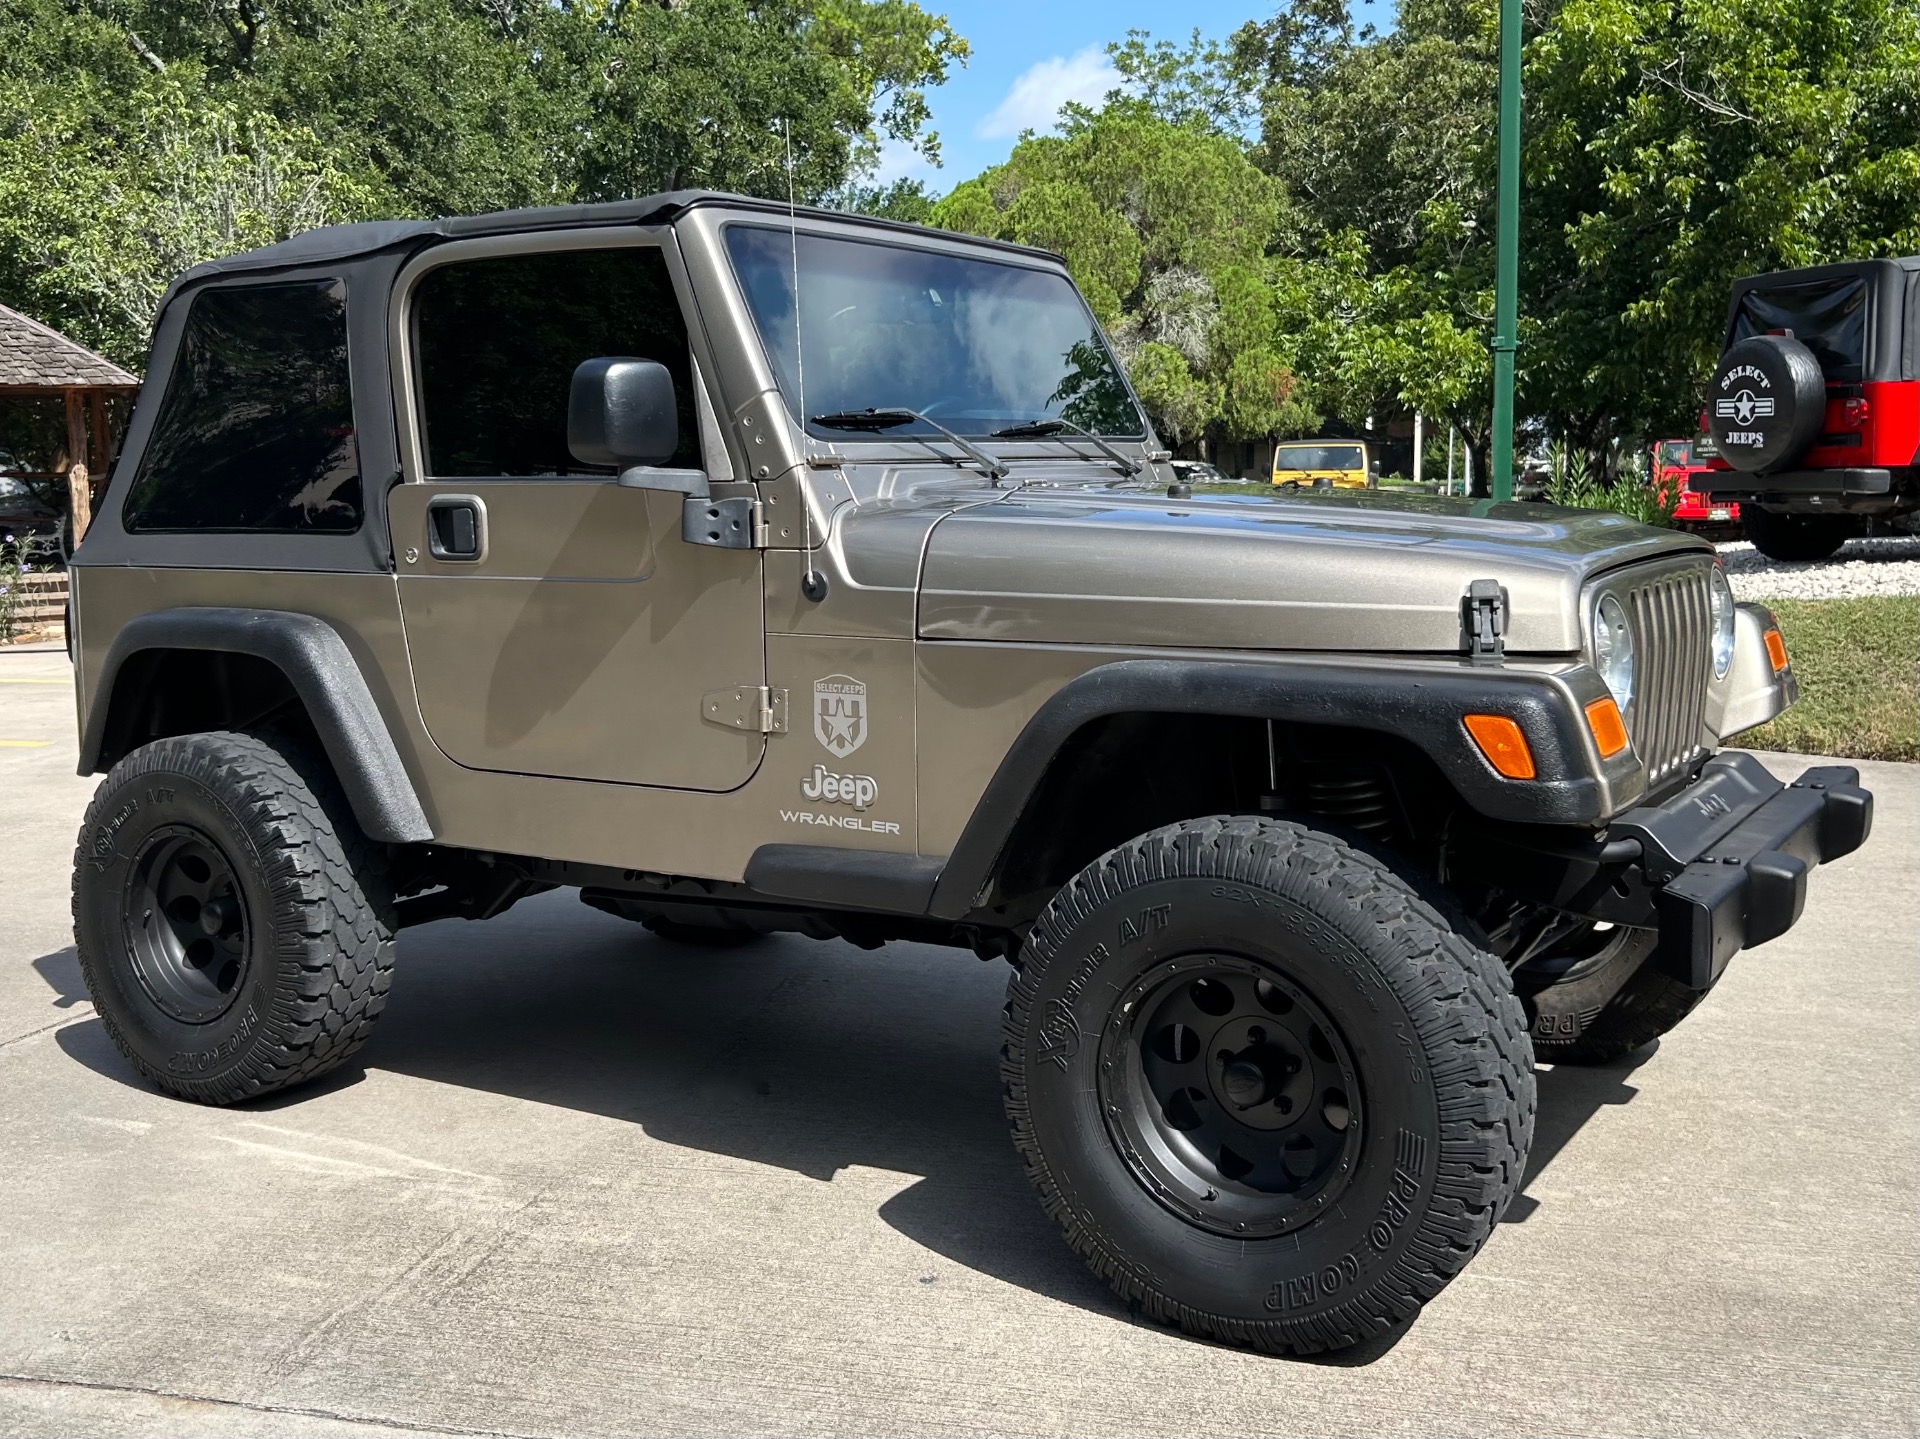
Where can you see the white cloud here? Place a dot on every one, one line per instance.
(1036, 97)
(900, 161)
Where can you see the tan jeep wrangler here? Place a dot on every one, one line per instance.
(750, 570)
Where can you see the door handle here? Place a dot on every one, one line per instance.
(457, 528)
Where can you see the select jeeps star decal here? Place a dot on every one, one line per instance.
(1744, 407)
(840, 713)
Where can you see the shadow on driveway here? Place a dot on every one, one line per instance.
(791, 1053)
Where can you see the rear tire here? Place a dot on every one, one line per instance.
(1608, 1004)
(1797, 537)
(234, 928)
(1168, 1004)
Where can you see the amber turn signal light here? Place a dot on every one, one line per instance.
(1500, 740)
(1609, 730)
(1776, 650)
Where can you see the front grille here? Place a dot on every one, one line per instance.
(1671, 614)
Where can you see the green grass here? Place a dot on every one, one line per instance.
(1858, 663)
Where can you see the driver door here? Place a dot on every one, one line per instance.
(556, 622)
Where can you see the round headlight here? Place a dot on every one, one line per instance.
(1722, 594)
(1613, 649)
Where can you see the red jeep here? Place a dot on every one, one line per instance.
(1677, 469)
(1815, 404)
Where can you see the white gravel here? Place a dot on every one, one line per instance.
(1889, 566)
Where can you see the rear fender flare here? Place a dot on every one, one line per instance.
(324, 675)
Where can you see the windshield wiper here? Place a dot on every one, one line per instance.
(874, 421)
(1045, 429)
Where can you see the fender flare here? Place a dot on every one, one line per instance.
(1422, 702)
(325, 676)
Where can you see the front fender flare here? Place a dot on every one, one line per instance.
(1421, 701)
(325, 676)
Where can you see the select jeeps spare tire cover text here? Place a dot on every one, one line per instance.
(1766, 402)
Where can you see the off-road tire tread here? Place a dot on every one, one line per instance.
(1462, 1004)
(333, 917)
(1649, 1004)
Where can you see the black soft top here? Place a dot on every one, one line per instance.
(333, 243)
(1861, 317)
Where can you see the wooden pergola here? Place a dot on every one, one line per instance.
(37, 360)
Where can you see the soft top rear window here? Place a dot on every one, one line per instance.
(1829, 317)
(255, 430)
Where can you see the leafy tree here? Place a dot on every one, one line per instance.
(1669, 149)
(1383, 146)
(1166, 227)
(140, 136)
(1674, 147)
(904, 200)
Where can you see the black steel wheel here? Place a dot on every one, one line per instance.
(1231, 1094)
(183, 916)
(235, 929)
(1270, 1094)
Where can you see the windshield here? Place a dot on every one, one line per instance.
(1317, 457)
(972, 343)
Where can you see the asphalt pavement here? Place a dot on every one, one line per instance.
(586, 1181)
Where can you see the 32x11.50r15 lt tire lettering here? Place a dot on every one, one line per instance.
(1270, 1095)
(235, 930)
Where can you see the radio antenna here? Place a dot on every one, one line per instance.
(813, 584)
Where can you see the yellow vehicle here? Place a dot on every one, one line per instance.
(1348, 464)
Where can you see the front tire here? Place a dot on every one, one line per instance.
(235, 930)
(1269, 1094)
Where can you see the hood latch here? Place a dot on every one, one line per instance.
(1484, 616)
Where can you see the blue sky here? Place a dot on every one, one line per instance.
(1030, 58)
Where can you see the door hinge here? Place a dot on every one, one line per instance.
(1485, 615)
(730, 524)
(754, 709)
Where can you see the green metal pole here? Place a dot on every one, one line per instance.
(1506, 292)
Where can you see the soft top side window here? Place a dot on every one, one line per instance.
(255, 430)
(497, 339)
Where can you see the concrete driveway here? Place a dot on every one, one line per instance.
(584, 1181)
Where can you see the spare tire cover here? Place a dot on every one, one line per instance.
(1766, 402)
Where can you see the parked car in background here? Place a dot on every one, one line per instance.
(1815, 405)
(1682, 465)
(1345, 464)
(30, 527)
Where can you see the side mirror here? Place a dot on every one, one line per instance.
(622, 412)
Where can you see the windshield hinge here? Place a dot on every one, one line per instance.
(1485, 619)
(754, 709)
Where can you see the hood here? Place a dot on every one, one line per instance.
(1366, 571)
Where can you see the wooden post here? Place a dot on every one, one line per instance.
(79, 493)
(99, 441)
(1419, 443)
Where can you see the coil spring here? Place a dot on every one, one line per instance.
(1358, 799)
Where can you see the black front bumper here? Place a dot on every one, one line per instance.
(1725, 861)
